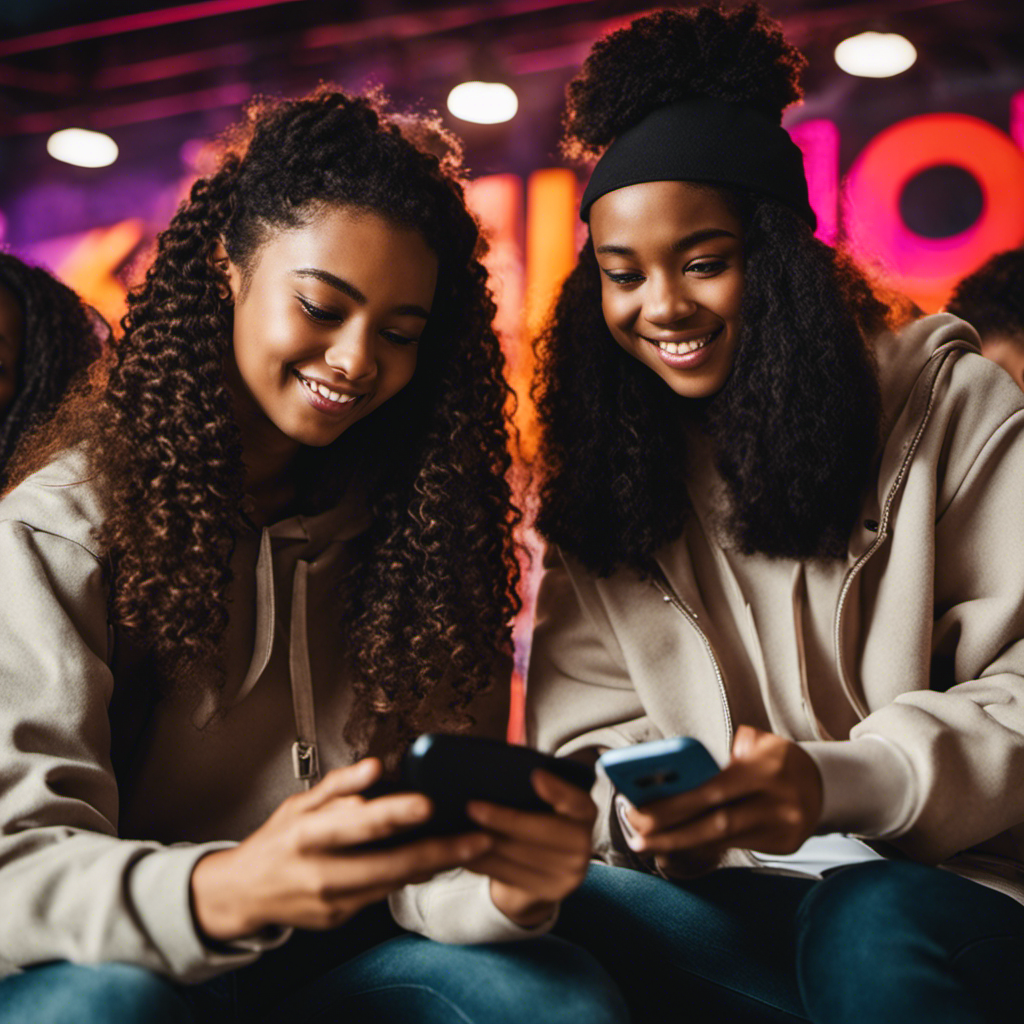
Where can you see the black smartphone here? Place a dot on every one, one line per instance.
(452, 770)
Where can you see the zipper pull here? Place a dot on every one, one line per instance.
(305, 761)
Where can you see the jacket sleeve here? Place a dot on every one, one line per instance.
(69, 887)
(961, 746)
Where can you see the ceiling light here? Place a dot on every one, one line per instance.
(875, 54)
(483, 102)
(82, 148)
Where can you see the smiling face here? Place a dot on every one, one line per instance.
(671, 260)
(12, 326)
(326, 325)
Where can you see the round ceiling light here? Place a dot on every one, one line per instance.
(483, 102)
(82, 148)
(875, 54)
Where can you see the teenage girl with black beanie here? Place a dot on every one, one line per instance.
(786, 521)
(265, 547)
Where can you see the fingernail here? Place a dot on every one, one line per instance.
(636, 842)
(478, 812)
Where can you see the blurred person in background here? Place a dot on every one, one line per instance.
(992, 299)
(47, 337)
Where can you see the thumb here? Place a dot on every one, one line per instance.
(745, 741)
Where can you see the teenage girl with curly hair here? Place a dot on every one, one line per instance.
(270, 544)
(46, 338)
(785, 521)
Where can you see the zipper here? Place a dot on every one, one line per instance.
(660, 582)
(305, 761)
(880, 539)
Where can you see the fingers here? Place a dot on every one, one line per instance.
(414, 861)
(566, 800)
(759, 823)
(745, 741)
(536, 829)
(545, 861)
(525, 879)
(568, 828)
(341, 782)
(721, 825)
(348, 822)
(734, 782)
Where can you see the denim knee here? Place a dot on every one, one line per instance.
(64, 993)
(876, 942)
(543, 979)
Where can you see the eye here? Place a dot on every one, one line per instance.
(623, 277)
(707, 267)
(318, 313)
(399, 339)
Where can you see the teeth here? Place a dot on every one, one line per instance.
(326, 392)
(682, 347)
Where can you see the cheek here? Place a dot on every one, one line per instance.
(731, 298)
(616, 311)
(265, 344)
(401, 367)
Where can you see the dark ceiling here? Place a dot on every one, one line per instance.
(137, 70)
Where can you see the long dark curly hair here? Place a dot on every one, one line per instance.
(796, 426)
(431, 592)
(60, 338)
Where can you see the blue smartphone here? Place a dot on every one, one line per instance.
(652, 771)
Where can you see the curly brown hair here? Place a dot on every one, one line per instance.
(797, 424)
(432, 588)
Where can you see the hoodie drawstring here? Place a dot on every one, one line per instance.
(305, 759)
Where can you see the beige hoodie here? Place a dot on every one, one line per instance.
(900, 669)
(109, 797)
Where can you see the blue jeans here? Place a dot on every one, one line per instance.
(368, 972)
(884, 942)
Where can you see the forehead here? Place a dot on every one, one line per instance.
(657, 210)
(359, 246)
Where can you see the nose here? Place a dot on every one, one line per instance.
(667, 300)
(353, 352)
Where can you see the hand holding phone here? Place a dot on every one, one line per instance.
(535, 810)
(767, 798)
(310, 864)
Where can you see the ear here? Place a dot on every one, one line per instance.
(231, 279)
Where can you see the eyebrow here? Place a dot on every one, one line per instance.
(693, 238)
(343, 286)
